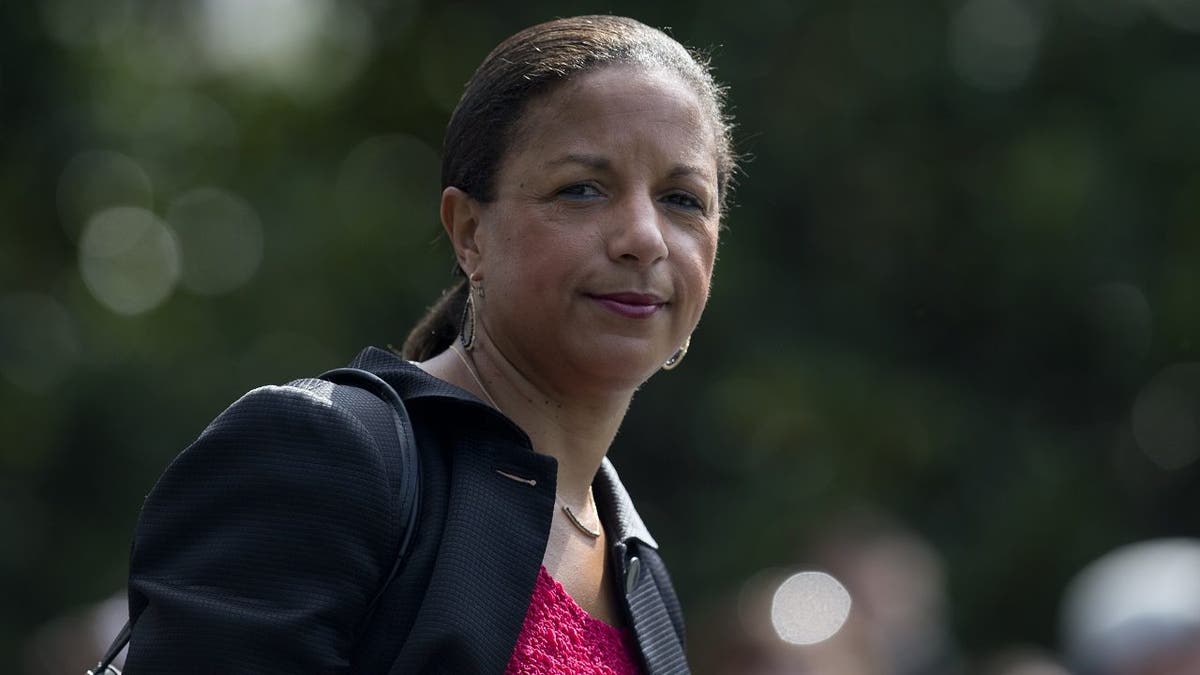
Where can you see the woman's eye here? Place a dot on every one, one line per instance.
(684, 200)
(580, 191)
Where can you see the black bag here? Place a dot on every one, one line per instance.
(401, 448)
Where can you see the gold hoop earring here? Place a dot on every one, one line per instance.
(466, 326)
(678, 355)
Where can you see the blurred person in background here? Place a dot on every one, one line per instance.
(1136, 611)
(896, 624)
(898, 583)
(585, 173)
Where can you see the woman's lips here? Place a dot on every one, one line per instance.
(631, 305)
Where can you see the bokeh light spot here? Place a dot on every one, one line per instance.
(1166, 416)
(220, 239)
(309, 48)
(259, 35)
(809, 607)
(95, 180)
(183, 138)
(1132, 602)
(128, 259)
(39, 342)
(994, 43)
(386, 181)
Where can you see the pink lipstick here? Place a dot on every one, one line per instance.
(631, 305)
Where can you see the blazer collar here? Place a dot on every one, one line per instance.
(407, 378)
(616, 508)
(612, 500)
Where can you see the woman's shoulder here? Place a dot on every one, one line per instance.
(273, 528)
(310, 395)
(301, 414)
(287, 441)
(314, 404)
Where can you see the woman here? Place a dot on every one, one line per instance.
(585, 171)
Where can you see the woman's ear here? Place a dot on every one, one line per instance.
(460, 216)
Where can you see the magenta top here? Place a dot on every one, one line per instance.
(560, 637)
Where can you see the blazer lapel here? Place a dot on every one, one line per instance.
(640, 575)
(500, 501)
(655, 632)
(497, 522)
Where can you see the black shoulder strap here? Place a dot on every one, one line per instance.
(404, 471)
(401, 458)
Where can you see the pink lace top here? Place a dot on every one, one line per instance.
(560, 637)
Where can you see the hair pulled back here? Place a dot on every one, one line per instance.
(531, 64)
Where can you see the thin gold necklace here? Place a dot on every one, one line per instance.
(591, 533)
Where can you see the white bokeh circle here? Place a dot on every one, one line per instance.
(809, 607)
(128, 259)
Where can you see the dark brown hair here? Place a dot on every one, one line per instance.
(530, 64)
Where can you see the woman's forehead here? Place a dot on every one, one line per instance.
(594, 117)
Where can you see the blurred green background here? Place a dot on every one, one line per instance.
(960, 286)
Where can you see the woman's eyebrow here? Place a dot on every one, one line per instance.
(688, 170)
(597, 162)
(601, 163)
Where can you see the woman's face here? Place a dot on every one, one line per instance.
(596, 254)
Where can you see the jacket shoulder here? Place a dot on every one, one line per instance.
(263, 542)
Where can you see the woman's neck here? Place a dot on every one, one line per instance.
(573, 427)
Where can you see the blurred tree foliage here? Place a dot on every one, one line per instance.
(965, 244)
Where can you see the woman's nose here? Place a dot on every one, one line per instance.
(637, 232)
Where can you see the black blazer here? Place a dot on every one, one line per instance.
(263, 543)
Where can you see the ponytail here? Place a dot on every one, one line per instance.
(439, 328)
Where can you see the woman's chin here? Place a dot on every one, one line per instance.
(618, 369)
